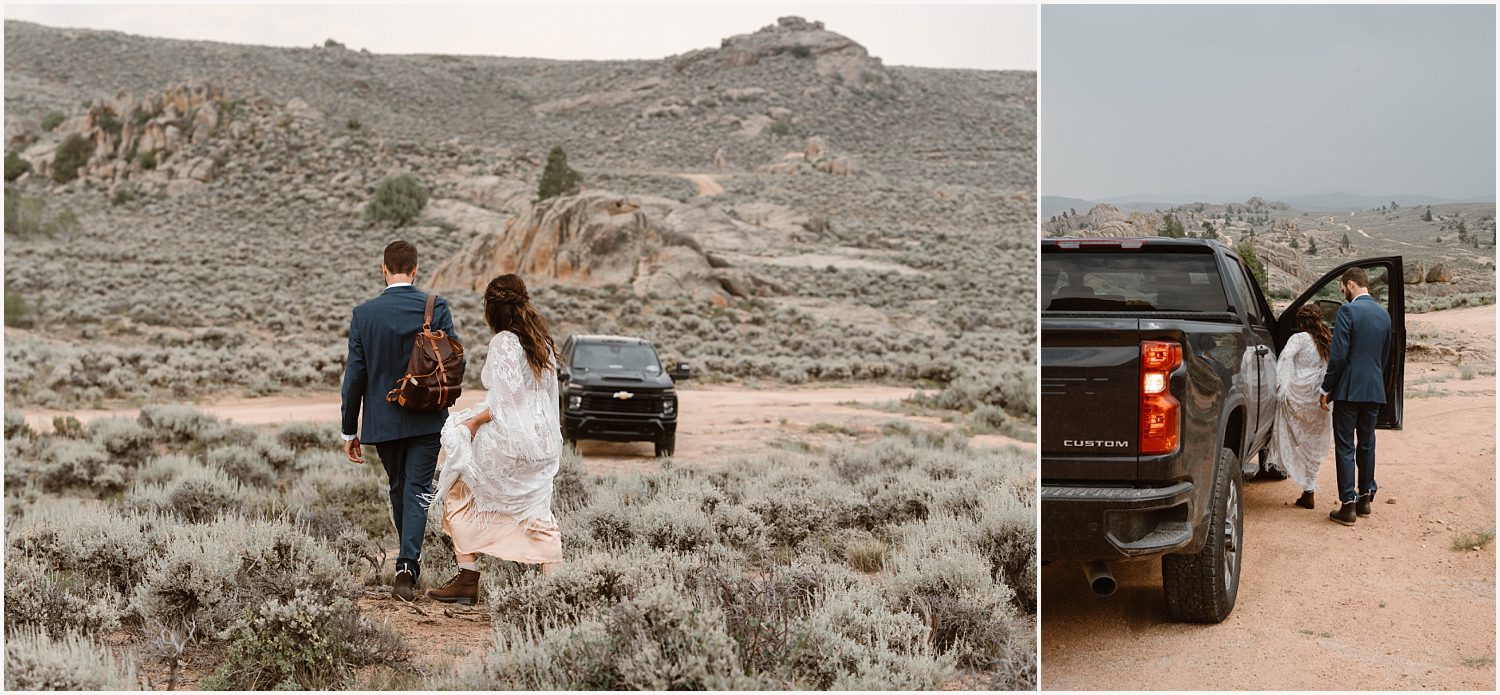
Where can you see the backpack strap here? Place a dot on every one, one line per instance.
(427, 313)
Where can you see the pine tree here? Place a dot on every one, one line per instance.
(558, 178)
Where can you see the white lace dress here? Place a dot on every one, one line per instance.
(496, 488)
(1303, 435)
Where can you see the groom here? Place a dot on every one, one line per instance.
(1355, 383)
(381, 334)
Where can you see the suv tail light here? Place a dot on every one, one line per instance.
(1161, 414)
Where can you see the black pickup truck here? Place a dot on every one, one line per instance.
(614, 389)
(1158, 396)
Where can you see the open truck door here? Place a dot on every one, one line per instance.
(1388, 289)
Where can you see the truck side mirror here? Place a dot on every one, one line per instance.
(563, 375)
(681, 372)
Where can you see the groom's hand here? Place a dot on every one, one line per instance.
(1323, 401)
(352, 450)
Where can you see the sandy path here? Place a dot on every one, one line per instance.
(706, 183)
(1386, 604)
(716, 422)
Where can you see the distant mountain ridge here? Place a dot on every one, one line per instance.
(1314, 202)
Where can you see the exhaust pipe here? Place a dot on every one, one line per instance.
(1101, 580)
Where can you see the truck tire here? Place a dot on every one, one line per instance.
(1201, 588)
(666, 447)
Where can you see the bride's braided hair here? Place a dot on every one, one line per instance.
(1310, 320)
(507, 307)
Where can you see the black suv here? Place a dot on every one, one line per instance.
(614, 389)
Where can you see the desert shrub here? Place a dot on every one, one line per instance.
(37, 661)
(659, 640)
(111, 548)
(765, 614)
(357, 494)
(17, 313)
(854, 641)
(1006, 534)
(738, 527)
(147, 160)
(557, 177)
(302, 643)
(52, 120)
(73, 153)
(866, 554)
(122, 196)
(176, 424)
(69, 464)
(302, 436)
(210, 573)
(15, 424)
(125, 439)
(193, 492)
(15, 166)
(581, 588)
(58, 603)
(570, 490)
(940, 576)
(243, 463)
(669, 525)
(398, 200)
(26, 217)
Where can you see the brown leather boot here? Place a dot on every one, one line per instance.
(1306, 500)
(462, 588)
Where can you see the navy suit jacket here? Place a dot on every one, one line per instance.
(381, 334)
(1361, 344)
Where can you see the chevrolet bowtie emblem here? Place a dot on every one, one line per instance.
(624, 395)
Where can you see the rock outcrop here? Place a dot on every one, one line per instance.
(594, 239)
(814, 157)
(836, 57)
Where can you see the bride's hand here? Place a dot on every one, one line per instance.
(473, 425)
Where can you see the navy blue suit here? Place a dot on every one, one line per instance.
(381, 334)
(1355, 382)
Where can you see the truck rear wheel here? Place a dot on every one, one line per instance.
(666, 447)
(1201, 588)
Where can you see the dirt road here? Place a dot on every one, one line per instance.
(716, 422)
(1386, 604)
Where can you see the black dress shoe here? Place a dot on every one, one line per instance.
(1362, 507)
(1344, 514)
(402, 588)
(1306, 500)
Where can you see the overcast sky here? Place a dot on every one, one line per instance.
(1233, 100)
(950, 36)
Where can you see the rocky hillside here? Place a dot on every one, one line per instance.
(782, 206)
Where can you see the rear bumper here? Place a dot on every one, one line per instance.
(1092, 523)
(613, 427)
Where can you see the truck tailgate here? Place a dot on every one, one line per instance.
(1090, 399)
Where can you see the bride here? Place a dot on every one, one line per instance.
(1304, 431)
(501, 456)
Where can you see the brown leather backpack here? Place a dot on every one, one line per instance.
(435, 375)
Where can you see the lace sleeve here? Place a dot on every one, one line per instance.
(505, 374)
(1286, 364)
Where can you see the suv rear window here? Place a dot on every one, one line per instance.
(1131, 281)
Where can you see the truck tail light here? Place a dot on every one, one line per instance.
(1161, 414)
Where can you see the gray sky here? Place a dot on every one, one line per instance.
(965, 36)
(1276, 100)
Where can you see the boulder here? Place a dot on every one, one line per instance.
(1439, 272)
(594, 239)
